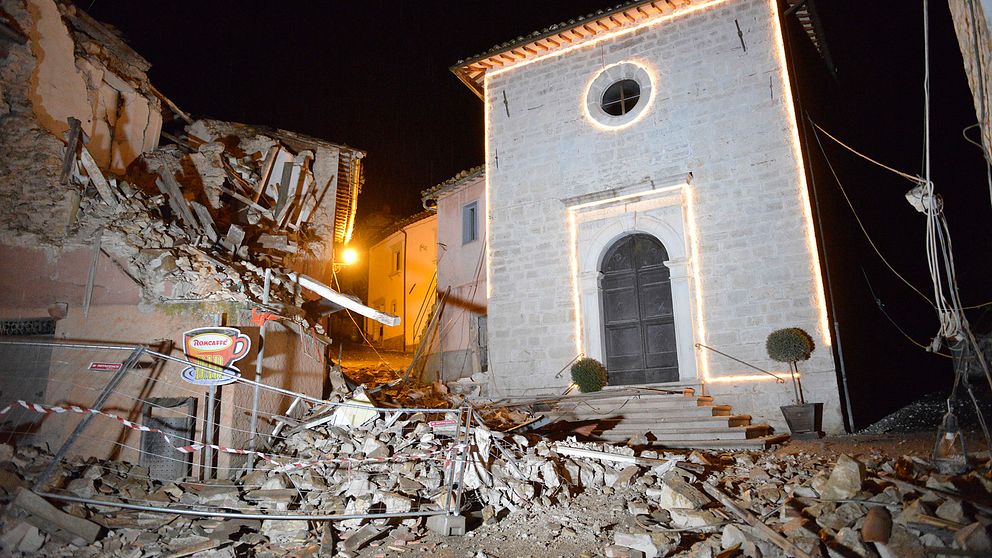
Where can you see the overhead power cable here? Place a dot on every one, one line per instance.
(907, 176)
(855, 211)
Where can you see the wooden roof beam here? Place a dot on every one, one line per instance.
(662, 6)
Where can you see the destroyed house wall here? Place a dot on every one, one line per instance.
(288, 364)
(717, 111)
(973, 25)
(60, 71)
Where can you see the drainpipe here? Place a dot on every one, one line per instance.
(838, 348)
(405, 323)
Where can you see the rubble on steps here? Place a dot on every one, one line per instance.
(603, 499)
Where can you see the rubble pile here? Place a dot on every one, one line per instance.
(695, 504)
(202, 223)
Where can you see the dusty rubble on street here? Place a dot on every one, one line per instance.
(524, 496)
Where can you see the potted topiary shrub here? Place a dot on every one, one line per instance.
(792, 345)
(589, 374)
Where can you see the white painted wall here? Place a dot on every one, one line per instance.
(721, 113)
(461, 266)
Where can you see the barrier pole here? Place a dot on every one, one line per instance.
(131, 360)
(252, 442)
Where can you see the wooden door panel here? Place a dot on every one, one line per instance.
(638, 318)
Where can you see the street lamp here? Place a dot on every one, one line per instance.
(348, 257)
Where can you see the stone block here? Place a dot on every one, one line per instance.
(447, 525)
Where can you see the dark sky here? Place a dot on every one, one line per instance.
(374, 74)
(371, 74)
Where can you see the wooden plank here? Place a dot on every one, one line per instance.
(770, 535)
(171, 190)
(247, 201)
(206, 221)
(304, 202)
(320, 198)
(72, 143)
(53, 520)
(96, 177)
(299, 189)
(283, 188)
(267, 165)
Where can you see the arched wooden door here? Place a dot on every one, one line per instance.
(638, 321)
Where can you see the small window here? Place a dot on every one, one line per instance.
(397, 261)
(470, 222)
(621, 97)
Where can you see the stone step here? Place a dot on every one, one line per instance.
(731, 433)
(584, 412)
(762, 442)
(623, 394)
(672, 431)
(650, 403)
(644, 424)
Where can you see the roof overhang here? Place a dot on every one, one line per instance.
(563, 36)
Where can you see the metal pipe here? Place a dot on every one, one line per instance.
(451, 470)
(233, 515)
(342, 300)
(778, 379)
(230, 371)
(253, 426)
(132, 359)
(406, 323)
(463, 451)
(208, 434)
(70, 345)
(838, 349)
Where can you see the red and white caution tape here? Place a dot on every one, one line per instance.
(190, 448)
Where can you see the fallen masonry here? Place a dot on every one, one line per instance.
(591, 498)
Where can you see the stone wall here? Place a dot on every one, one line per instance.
(56, 74)
(973, 25)
(717, 111)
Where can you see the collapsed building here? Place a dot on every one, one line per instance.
(126, 221)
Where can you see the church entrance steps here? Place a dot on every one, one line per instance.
(659, 417)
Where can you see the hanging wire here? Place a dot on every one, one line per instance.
(361, 330)
(907, 176)
(881, 307)
(953, 325)
(857, 218)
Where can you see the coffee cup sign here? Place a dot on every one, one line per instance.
(211, 352)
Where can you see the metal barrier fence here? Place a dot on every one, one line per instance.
(125, 430)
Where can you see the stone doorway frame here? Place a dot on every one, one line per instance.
(597, 222)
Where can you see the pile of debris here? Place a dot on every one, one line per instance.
(201, 218)
(753, 504)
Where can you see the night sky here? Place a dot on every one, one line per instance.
(374, 75)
